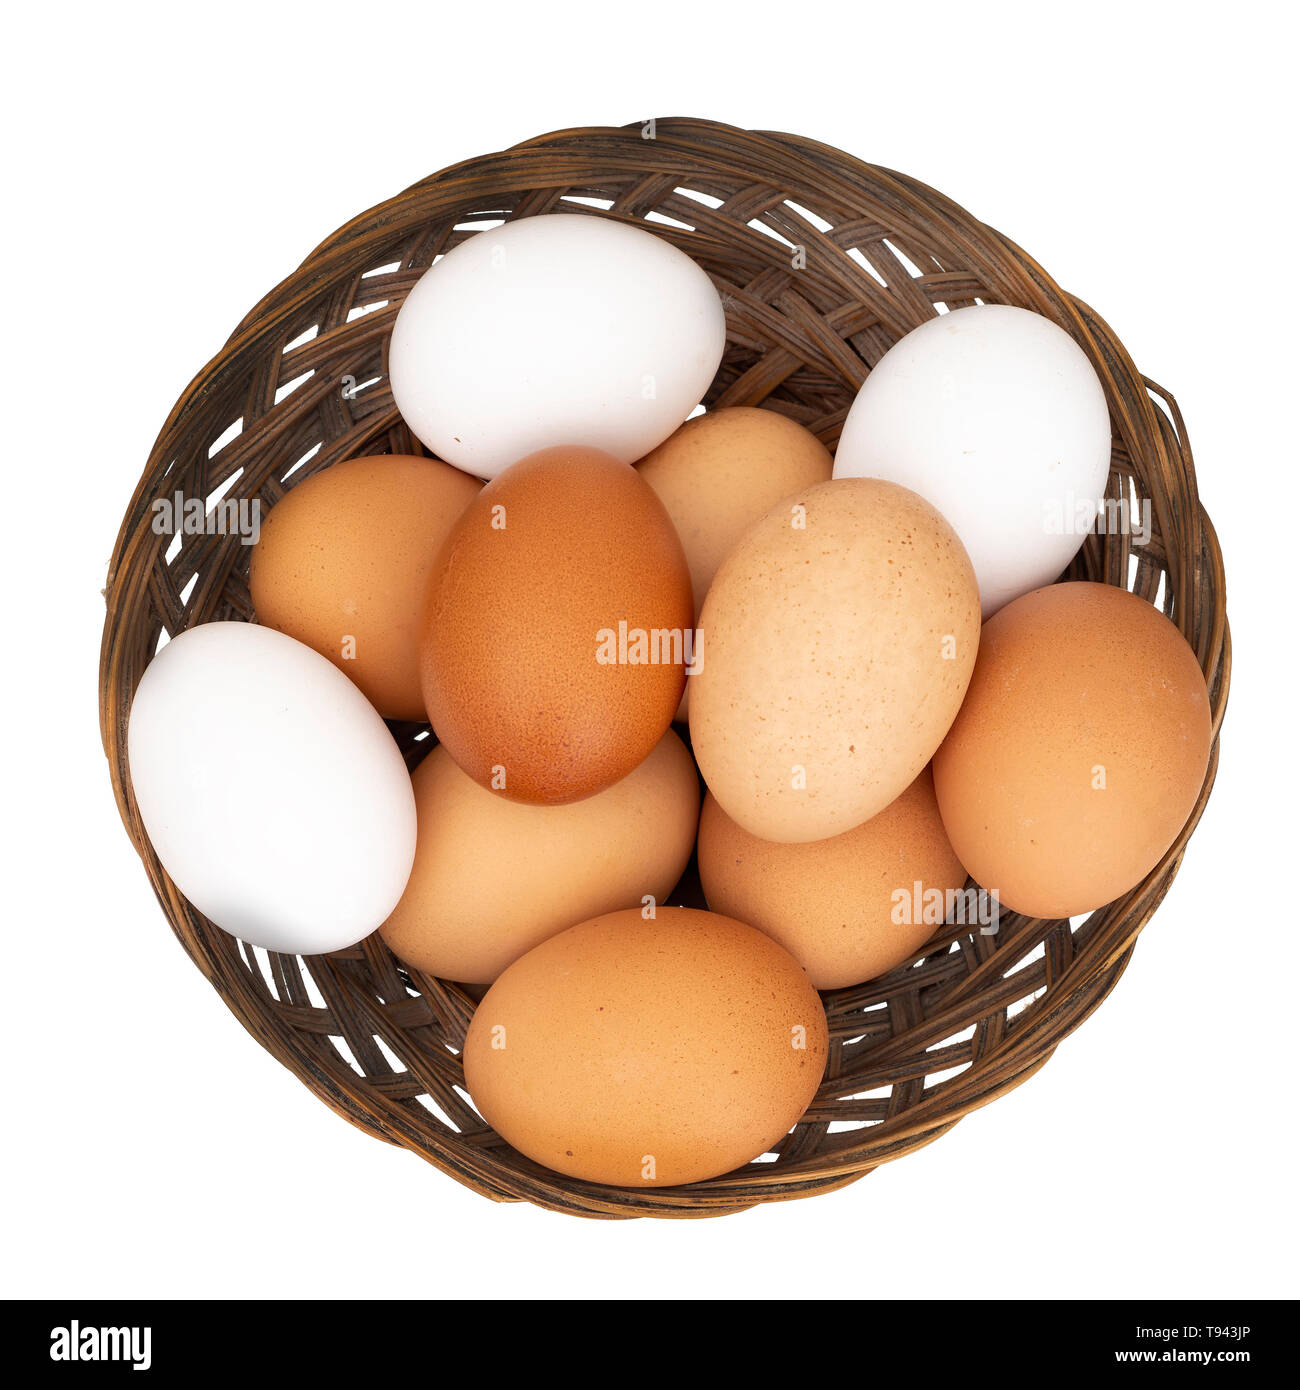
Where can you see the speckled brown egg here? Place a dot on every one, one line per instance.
(343, 562)
(1080, 750)
(719, 473)
(493, 877)
(553, 651)
(648, 1053)
(848, 908)
(838, 639)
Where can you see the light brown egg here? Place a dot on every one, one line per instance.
(838, 638)
(493, 877)
(343, 562)
(1080, 751)
(553, 653)
(719, 473)
(849, 908)
(648, 1053)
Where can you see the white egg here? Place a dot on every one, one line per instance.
(271, 791)
(558, 329)
(996, 417)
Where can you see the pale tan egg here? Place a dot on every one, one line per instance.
(719, 473)
(343, 562)
(838, 639)
(848, 908)
(1080, 751)
(648, 1053)
(493, 877)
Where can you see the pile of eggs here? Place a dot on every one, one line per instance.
(887, 694)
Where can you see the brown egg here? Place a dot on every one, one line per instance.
(554, 632)
(493, 877)
(1079, 752)
(343, 562)
(837, 639)
(648, 1053)
(849, 908)
(719, 473)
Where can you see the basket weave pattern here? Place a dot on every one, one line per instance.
(823, 263)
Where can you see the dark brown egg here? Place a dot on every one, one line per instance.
(553, 642)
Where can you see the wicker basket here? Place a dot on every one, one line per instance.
(823, 262)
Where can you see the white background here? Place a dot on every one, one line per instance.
(167, 165)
